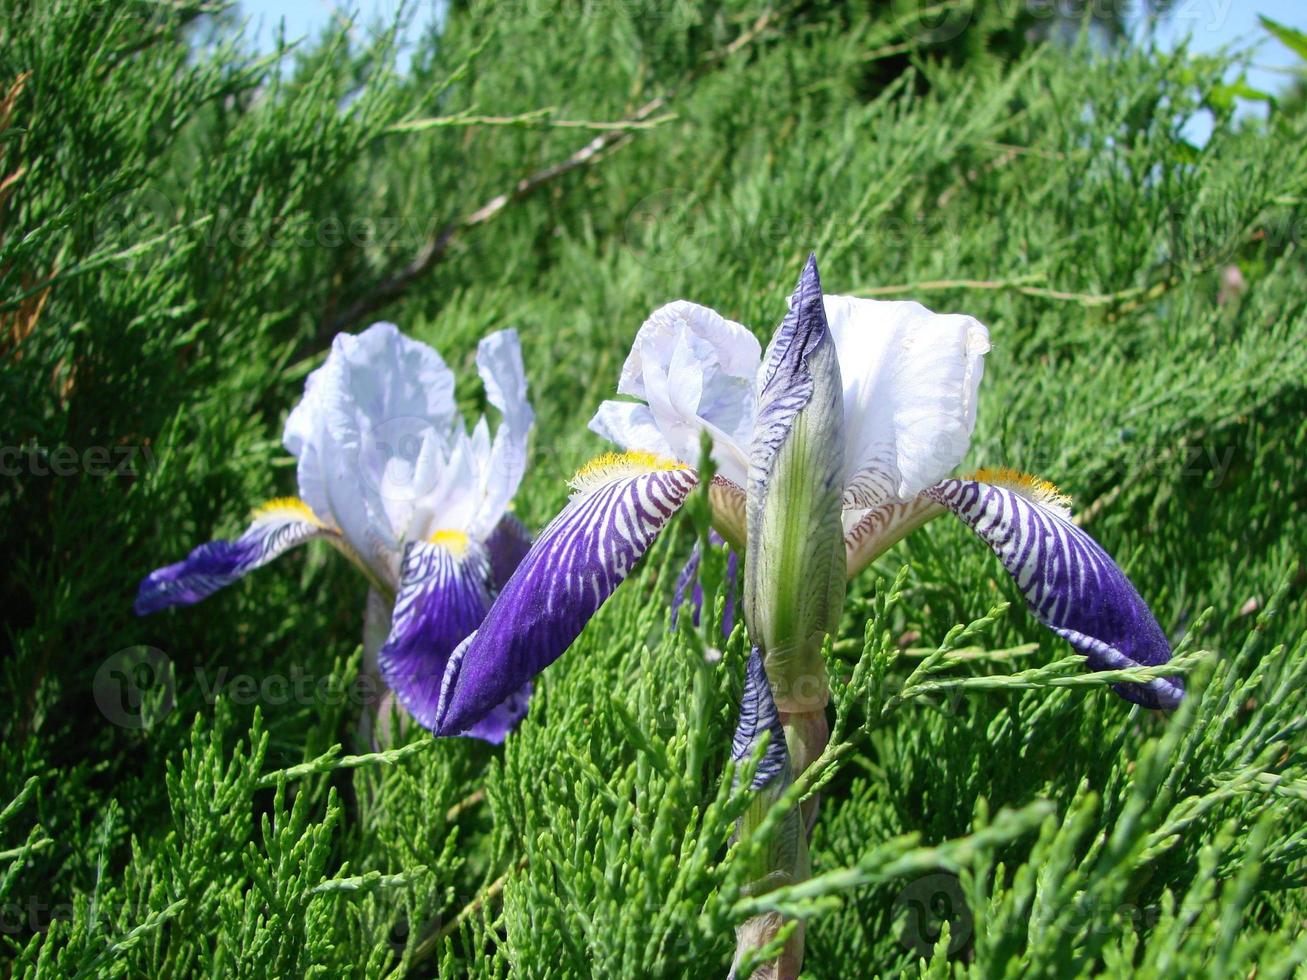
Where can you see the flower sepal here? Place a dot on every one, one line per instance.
(795, 559)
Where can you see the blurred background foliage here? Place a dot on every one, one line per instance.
(185, 223)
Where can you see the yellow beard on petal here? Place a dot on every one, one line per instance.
(291, 507)
(455, 542)
(614, 466)
(1036, 488)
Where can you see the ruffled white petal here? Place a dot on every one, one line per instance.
(354, 503)
(477, 476)
(910, 381)
(632, 426)
(696, 371)
(452, 502)
(370, 434)
(499, 362)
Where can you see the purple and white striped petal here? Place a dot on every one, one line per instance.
(783, 857)
(278, 526)
(1070, 583)
(794, 565)
(758, 714)
(622, 502)
(443, 596)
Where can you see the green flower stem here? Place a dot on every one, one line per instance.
(806, 736)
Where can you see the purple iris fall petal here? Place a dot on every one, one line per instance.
(1069, 582)
(572, 568)
(443, 596)
(276, 529)
(728, 609)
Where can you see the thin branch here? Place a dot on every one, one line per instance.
(612, 138)
(434, 250)
(430, 944)
(465, 804)
(26, 849)
(332, 760)
(1137, 295)
(536, 117)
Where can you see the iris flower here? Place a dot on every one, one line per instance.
(389, 475)
(886, 396)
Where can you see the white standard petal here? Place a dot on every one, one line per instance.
(454, 500)
(499, 362)
(910, 381)
(632, 426)
(477, 476)
(373, 421)
(695, 370)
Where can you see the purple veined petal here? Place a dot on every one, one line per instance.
(758, 714)
(443, 596)
(688, 586)
(880, 528)
(622, 502)
(786, 383)
(506, 547)
(1069, 582)
(278, 526)
(782, 856)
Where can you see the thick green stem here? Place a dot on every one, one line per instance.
(806, 735)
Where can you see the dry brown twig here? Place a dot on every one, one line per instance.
(614, 136)
(17, 324)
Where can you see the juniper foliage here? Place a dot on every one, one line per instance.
(185, 223)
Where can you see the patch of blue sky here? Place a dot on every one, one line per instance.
(1208, 26)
